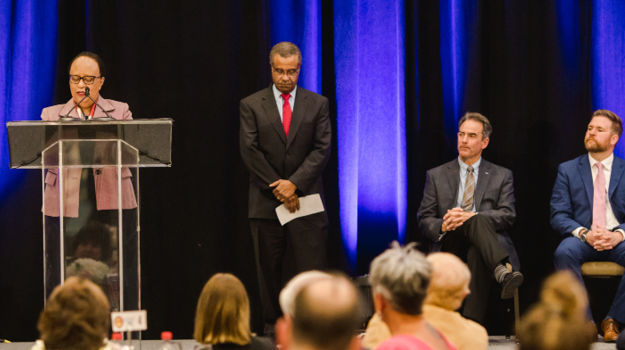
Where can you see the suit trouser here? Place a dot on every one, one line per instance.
(572, 253)
(303, 240)
(476, 243)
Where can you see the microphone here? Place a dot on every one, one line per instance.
(67, 117)
(88, 95)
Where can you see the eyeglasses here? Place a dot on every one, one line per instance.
(290, 72)
(75, 79)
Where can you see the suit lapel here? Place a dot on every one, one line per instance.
(482, 182)
(108, 107)
(301, 102)
(453, 178)
(271, 110)
(585, 172)
(617, 173)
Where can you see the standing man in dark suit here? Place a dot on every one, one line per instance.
(467, 206)
(588, 209)
(285, 140)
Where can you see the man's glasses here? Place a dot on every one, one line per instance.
(75, 79)
(290, 72)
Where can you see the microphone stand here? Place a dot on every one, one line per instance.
(87, 94)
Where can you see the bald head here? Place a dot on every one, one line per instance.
(295, 285)
(449, 284)
(326, 314)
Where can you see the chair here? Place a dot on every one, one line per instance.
(602, 269)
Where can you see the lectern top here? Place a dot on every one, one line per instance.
(151, 137)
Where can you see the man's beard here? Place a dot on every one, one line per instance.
(595, 147)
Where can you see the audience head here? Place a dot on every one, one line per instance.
(76, 316)
(400, 278)
(223, 312)
(558, 320)
(326, 315)
(449, 284)
(295, 285)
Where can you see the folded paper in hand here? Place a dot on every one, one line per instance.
(308, 205)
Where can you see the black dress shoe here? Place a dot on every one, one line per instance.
(510, 283)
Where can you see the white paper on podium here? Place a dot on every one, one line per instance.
(308, 205)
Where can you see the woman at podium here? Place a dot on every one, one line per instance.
(90, 191)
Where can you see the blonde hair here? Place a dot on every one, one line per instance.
(449, 284)
(76, 316)
(223, 312)
(558, 320)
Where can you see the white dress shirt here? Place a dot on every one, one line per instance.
(280, 101)
(610, 219)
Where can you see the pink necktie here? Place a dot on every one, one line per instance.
(598, 199)
(286, 114)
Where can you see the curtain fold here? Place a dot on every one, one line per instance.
(27, 70)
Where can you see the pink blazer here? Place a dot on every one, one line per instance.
(105, 178)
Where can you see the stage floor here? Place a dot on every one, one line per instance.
(496, 343)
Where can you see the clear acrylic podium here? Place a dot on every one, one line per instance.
(91, 198)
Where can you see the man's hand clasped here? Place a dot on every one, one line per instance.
(285, 192)
(602, 239)
(455, 218)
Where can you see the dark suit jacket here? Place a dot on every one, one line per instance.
(269, 156)
(571, 200)
(493, 197)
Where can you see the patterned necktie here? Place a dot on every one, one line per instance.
(598, 199)
(286, 114)
(469, 188)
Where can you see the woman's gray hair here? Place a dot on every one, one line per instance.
(402, 275)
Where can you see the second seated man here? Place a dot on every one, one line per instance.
(467, 206)
(588, 209)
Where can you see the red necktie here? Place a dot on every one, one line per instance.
(598, 201)
(286, 114)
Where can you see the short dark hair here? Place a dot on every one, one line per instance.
(322, 327)
(617, 123)
(285, 49)
(487, 129)
(94, 57)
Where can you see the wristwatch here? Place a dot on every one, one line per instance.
(582, 235)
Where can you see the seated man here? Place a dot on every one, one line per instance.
(449, 286)
(467, 206)
(588, 209)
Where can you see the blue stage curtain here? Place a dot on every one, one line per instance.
(608, 63)
(299, 21)
(28, 42)
(369, 49)
(457, 18)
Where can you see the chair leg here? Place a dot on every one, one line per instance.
(517, 318)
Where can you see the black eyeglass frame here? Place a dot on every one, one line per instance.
(83, 79)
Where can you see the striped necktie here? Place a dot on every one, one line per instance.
(469, 188)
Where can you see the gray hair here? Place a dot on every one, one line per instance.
(295, 285)
(402, 275)
(285, 49)
(487, 129)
